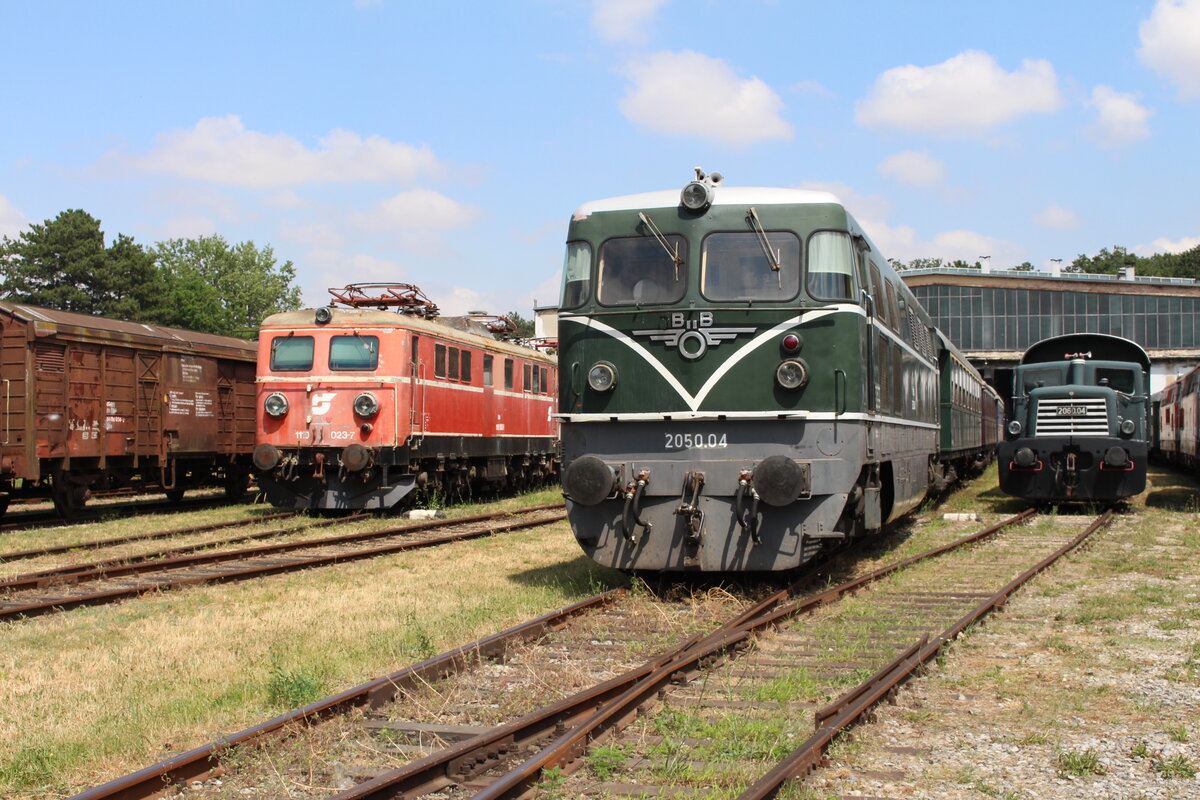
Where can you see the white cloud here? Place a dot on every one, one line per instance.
(914, 167)
(1121, 119)
(1055, 216)
(221, 150)
(12, 221)
(1164, 245)
(902, 242)
(285, 199)
(971, 246)
(689, 93)
(965, 95)
(619, 21)
(416, 210)
(1171, 43)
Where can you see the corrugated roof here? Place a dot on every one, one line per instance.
(86, 326)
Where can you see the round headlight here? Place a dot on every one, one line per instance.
(324, 314)
(602, 377)
(276, 404)
(1127, 427)
(365, 405)
(1014, 427)
(791, 374)
(696, 196)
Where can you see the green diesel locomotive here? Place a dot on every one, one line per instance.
(745, 380)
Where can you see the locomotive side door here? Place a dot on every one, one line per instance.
(416, 419)
(490, 417)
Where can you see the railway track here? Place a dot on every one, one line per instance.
(102, 582)
(783, 657)
(36, 519)
(100, 544)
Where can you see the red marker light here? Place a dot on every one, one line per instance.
(791, 343)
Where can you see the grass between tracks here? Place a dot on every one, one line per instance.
(93, 694)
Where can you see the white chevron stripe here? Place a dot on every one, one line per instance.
(694, 401)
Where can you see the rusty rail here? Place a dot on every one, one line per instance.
(848, 709)
(98, 544)
(616, 701)
(588, 713)
(206, 760)
(17, 611)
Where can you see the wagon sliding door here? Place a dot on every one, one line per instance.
(148, 438)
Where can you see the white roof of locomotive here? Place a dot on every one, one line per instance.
(722, 196)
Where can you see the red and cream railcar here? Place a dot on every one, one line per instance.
(359, 406)
(90, 402)
(1177, 433)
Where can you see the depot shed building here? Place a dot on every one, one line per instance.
(993, 316)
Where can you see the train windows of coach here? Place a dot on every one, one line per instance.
(508, 374)
(831, 266)
(528, 382)
(545, 381)
(734, 266)
(291, 353)
(640, 271)
(577, 268)
(487, 370)
(354, 352)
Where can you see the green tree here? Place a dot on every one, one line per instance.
(63, 264)
(525, 327)
(1024, 266)
(221, 288)
(1105, 262)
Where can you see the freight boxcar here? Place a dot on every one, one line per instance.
(90, 402)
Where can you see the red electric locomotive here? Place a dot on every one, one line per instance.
(371, 398)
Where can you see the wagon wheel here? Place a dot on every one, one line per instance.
(68, 496)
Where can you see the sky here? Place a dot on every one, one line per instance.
(446, 144)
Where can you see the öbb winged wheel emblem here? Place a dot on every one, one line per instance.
(692, 337)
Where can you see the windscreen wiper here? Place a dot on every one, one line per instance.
(773, 257)
(658, 234)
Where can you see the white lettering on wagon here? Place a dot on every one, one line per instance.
(85, 429)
